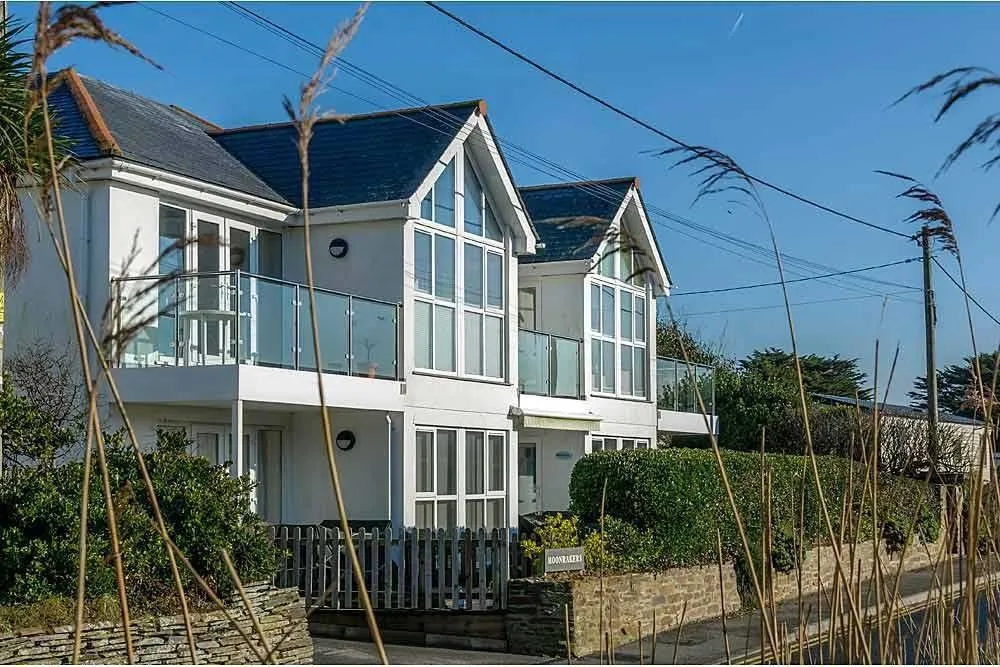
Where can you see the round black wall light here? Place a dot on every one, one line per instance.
(338, 248)
(345, 441)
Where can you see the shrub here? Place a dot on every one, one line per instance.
(205, 510)
(675, 499)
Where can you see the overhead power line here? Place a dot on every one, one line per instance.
(963, 290)
(798, 280)
(681, 226)
(648, 126)
(530, 159)
(775, 306)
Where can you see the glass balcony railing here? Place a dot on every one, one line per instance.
(548, 365)
(234, 317)
(675, 386)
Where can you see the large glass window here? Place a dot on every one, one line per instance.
(173, 222)
(459, 283)
(618, 326)
(479, 500)
(439, 204)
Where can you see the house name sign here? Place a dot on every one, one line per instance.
(563, 560)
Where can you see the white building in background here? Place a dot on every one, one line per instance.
(471, 352)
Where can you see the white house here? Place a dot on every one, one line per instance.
(447, 411)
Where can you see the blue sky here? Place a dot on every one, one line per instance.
(798, 94)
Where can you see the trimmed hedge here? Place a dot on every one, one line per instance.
(673, 501)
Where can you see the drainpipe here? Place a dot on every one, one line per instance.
(388, 442)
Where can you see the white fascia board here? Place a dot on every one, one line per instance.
(486, 151)
(329, 215)
(560, 268)
(132, 173)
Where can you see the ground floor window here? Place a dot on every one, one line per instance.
(461, 478)
(600, 443)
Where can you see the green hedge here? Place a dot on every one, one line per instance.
(205, 510)
(673, 501)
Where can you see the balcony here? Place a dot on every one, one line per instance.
(228, 318)
(549, 365)
(675, 386)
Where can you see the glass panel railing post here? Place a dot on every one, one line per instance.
(237, 318)
(395, 331)
(296, 327)
(550, 375)
(350, 335)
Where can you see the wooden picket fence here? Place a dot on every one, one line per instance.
(403, 569)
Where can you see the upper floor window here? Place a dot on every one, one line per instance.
(439, 204)
(459, 280)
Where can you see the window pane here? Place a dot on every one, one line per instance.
(493, 231)
(626, 359)
(447, 515)
(475, 462)
(498, 460)
(422, 334)
(607, 366)
(473, 275)
(526, 308)
(642, 444)
(608, 311)
(425, 462)
(474, 514)
(626, 316)
(640, 371)
(494, 351)
(473, 198)
(427, 207)
(628, 444)
(239, 249)
(595, 307)
(269, 254)
(444, 268)
(607, 265)
(444, 338)
(595, 364)
(495, 515)
(444, 196)
(640, 318)
(494, 280)
(474, 343)
(447, 463)
(596, 445)
(425, 514)
(422, 261)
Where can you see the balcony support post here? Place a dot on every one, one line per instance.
(239, 455)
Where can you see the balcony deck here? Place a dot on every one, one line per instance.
(240, 319)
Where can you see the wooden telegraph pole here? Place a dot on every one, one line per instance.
(930, 320)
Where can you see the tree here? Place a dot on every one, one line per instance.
(670, 336)
(49, 377)
(820, 374)
(958, 392)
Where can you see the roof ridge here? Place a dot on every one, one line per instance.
(191, 114)
(622, 179)
(98, 127)
(479, 103)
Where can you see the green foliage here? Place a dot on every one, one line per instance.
(675, 501)
(957, 389)
(555, 533)
(746, 402)
(820, 374)
(30, 435)
(205, 511)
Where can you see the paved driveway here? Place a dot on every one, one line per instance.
(343, 652)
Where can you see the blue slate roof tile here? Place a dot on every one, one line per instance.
(366, 158)
(571, 219)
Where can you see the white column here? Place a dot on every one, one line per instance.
(236, 433)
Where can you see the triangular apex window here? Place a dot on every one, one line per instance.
(479, 217)
(439, 204)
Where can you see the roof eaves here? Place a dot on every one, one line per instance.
(606, 181)
(95, 121)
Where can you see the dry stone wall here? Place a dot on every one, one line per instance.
(164, 640)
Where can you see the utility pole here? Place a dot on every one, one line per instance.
(930, 320)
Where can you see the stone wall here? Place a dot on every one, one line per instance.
(537, 608)
(164, 639)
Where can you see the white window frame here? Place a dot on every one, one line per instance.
(617, 443)
(599, 283)
(461, 496)
(460, 306)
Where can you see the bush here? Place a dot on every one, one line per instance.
(674, 499)
(205, 510)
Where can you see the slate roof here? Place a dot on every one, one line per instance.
(366, 158)
(571, 219)
(104, 121)
(899, 410)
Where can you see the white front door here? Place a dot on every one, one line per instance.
(527, 478)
